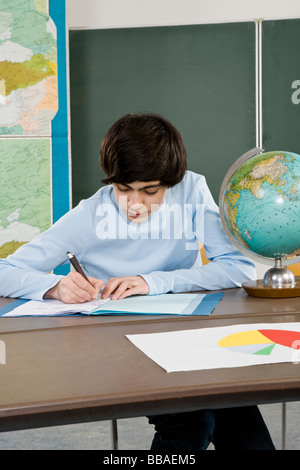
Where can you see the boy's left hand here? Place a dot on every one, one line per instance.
(121, 287)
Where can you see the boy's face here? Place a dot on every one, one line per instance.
(139, 199)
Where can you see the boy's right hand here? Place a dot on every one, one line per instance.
(74, 289)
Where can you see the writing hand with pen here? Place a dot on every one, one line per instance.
(76, 287)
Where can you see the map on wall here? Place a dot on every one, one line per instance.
(28, 68)
(24, 191)
(28, 104)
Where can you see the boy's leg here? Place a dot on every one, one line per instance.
(241, 428)
(189, 431)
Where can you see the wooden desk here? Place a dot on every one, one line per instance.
(65, 370)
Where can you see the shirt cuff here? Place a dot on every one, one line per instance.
(154, 288)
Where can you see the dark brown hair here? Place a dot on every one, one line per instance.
(143, 147)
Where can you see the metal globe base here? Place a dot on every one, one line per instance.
(278, 282)
(279, 277)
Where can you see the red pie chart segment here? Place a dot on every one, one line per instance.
(291, 339)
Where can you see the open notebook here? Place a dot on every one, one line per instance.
(164, 304)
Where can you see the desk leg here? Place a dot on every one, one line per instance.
(114, 434)
(283, 426)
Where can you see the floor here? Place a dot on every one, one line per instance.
(135, 433)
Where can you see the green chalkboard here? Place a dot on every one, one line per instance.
(200, 77)
(281, 85)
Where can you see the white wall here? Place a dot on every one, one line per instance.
(96, 14)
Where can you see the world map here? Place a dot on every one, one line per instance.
(28, 103)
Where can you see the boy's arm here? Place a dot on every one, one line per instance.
(28, 272)
(228, 267)
(219, 274)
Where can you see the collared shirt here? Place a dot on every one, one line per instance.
(163, 249)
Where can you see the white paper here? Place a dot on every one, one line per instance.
(53, 307)
(198, 349)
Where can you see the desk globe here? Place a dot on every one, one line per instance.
(260, 212)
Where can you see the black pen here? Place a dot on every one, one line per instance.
(76, 265)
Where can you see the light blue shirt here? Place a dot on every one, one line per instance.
(164, 249)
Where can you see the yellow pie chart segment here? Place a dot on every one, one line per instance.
(244, 338)
(249, 342)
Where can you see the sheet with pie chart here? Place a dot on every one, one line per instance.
(219, 347)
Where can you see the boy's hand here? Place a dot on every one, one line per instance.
(74, 289)
(120, 287)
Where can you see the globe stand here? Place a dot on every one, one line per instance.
(278, 282)
(279, 276)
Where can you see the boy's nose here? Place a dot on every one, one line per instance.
(135, 198)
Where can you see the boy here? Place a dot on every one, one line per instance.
(138, 235)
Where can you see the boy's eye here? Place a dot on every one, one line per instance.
(145, 190)
(150, 191)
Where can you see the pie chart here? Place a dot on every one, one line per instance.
(261, 342)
